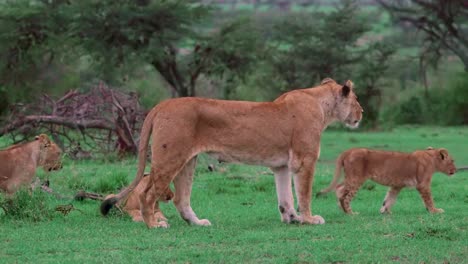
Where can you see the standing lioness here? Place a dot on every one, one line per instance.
(394, 169)
(283, 135)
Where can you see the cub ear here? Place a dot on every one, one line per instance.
(443, 153)
(44, 139)
(429, 148)
(327, 80)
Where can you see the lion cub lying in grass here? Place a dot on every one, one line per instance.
(394, 169)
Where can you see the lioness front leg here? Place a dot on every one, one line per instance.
(390, 199)
(303, 185)
(183, 190)
(426, 196)
(285, 195)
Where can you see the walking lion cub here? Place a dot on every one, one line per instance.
(393, 169)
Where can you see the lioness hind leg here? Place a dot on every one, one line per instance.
(148, 202)
(285, 195)
(155, 189)
(389, 200)
(183, 189)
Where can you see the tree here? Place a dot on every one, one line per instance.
(373, 66)
(169, 35)
(25, 48)
(445, 24)
(309, 47)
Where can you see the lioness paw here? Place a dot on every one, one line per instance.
(160, 224)
(203, 222)
(314, 220)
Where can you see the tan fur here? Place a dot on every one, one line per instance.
(19, 162)
(283, 135)
(132, 204)
(394, 169)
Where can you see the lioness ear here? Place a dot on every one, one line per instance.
(347, 87)
(443, 153)
(345, 90)
(429, 148)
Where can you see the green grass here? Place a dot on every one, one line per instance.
(246, 228)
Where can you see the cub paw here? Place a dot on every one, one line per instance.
(437, 211)
(385, 210)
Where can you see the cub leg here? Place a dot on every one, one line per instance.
(347, 192)
(426, 196)
(303, 181)
(183, 189)
(390, 199)
(137, 217)
(285, 195)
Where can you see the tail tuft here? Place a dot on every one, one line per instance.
(107, 205)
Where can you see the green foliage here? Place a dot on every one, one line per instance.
(439, 107)
(27, 205)
(311, 46)
(370, 79)
(111, 182)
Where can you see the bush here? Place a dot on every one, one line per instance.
(110, 183)
(440, 107)
(26, 205)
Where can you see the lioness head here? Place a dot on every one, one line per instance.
(444, 162)
(50, 153)
(349, 109)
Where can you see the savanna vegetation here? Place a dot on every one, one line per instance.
(86, 72)
(241, 203)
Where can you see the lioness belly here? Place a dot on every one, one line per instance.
(251, 158)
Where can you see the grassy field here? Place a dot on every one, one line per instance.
(241, 204)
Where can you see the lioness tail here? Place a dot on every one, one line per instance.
(147, 127)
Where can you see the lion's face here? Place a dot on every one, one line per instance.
(349, 109)
(445, 162)
(50, 153)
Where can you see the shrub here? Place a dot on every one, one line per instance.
(440, 107)
(26, 205)
(111, 182)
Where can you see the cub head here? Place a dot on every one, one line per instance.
(349, 111)
(444, 162)
(50, 153)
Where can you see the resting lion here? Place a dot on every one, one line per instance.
(394, 169)
(19, 162)
(283, 135)
(132, 204)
